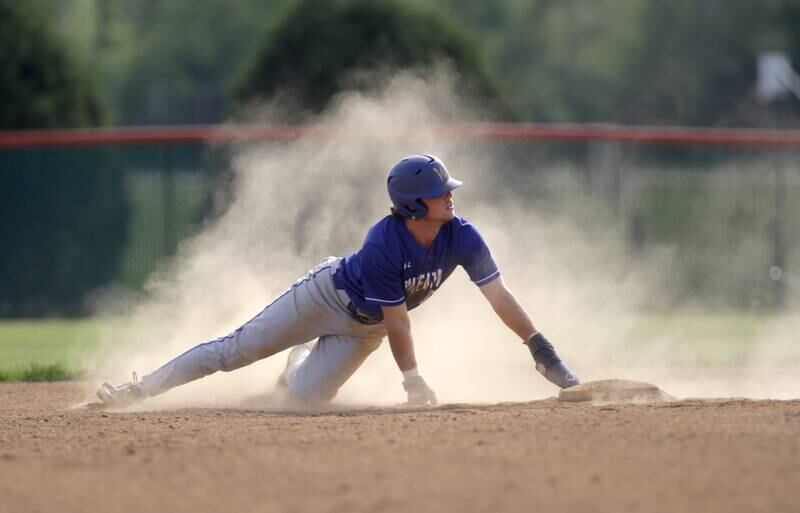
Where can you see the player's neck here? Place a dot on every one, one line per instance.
(423, 231)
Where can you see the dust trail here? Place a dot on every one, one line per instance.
(296, 203)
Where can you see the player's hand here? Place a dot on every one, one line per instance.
(559, 375)
(419, 393)
(549, 364)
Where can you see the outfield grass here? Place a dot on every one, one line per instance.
(719, 339)
(47, 350)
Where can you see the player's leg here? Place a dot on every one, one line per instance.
(309, 309)
(318, 375)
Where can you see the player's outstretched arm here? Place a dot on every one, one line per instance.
(515, 317)
(398, 329)
(506, 306)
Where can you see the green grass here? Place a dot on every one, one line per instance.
(718, 339)
(47, 350)
(41, 372)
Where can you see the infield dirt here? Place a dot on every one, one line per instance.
(690, 455)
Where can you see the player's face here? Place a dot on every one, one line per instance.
(440, 209)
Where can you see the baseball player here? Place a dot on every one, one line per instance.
(348, 305)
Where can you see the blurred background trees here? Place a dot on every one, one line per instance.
(634, 61)
(167, 62)
(630, 61)
(41, 84)
(320, 46)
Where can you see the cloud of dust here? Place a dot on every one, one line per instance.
(295, 203)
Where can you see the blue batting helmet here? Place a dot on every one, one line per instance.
(416, 177)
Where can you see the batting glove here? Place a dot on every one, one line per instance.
(419, 393)
(549, 364)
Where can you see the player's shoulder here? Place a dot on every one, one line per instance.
(466, 235)
(459, 223)
(383, 231)
(462, 226)
(384, 235)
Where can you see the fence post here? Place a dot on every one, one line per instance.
(777, 272)
(604, 171)
(169, 199)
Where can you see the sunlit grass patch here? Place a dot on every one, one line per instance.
(48, 349)
(41, 372)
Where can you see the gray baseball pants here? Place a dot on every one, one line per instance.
(313, 308)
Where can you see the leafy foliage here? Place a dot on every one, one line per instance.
(322, 44)
(172, 62)
(635, 61)
(697, 66)
(631, 61)
(40, 83)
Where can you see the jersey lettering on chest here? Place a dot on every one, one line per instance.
(425, 281)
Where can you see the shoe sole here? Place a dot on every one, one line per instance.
(106, 393)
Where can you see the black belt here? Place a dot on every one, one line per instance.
(360, 316)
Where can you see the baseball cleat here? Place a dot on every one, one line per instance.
(119, 396)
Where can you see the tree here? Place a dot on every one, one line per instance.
(63, 216)
(41, 86)
(556, 61)
(697, 64)
(320, 45)
(156, 71)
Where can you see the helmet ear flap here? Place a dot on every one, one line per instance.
(416, 210)
(422, 209)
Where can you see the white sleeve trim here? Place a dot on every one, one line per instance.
(482, 280)
(387, 301)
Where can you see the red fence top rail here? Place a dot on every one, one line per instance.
(507, 131)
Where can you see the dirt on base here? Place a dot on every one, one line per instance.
(692, 455)
(614, 391)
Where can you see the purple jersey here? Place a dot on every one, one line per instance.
(392, 268)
